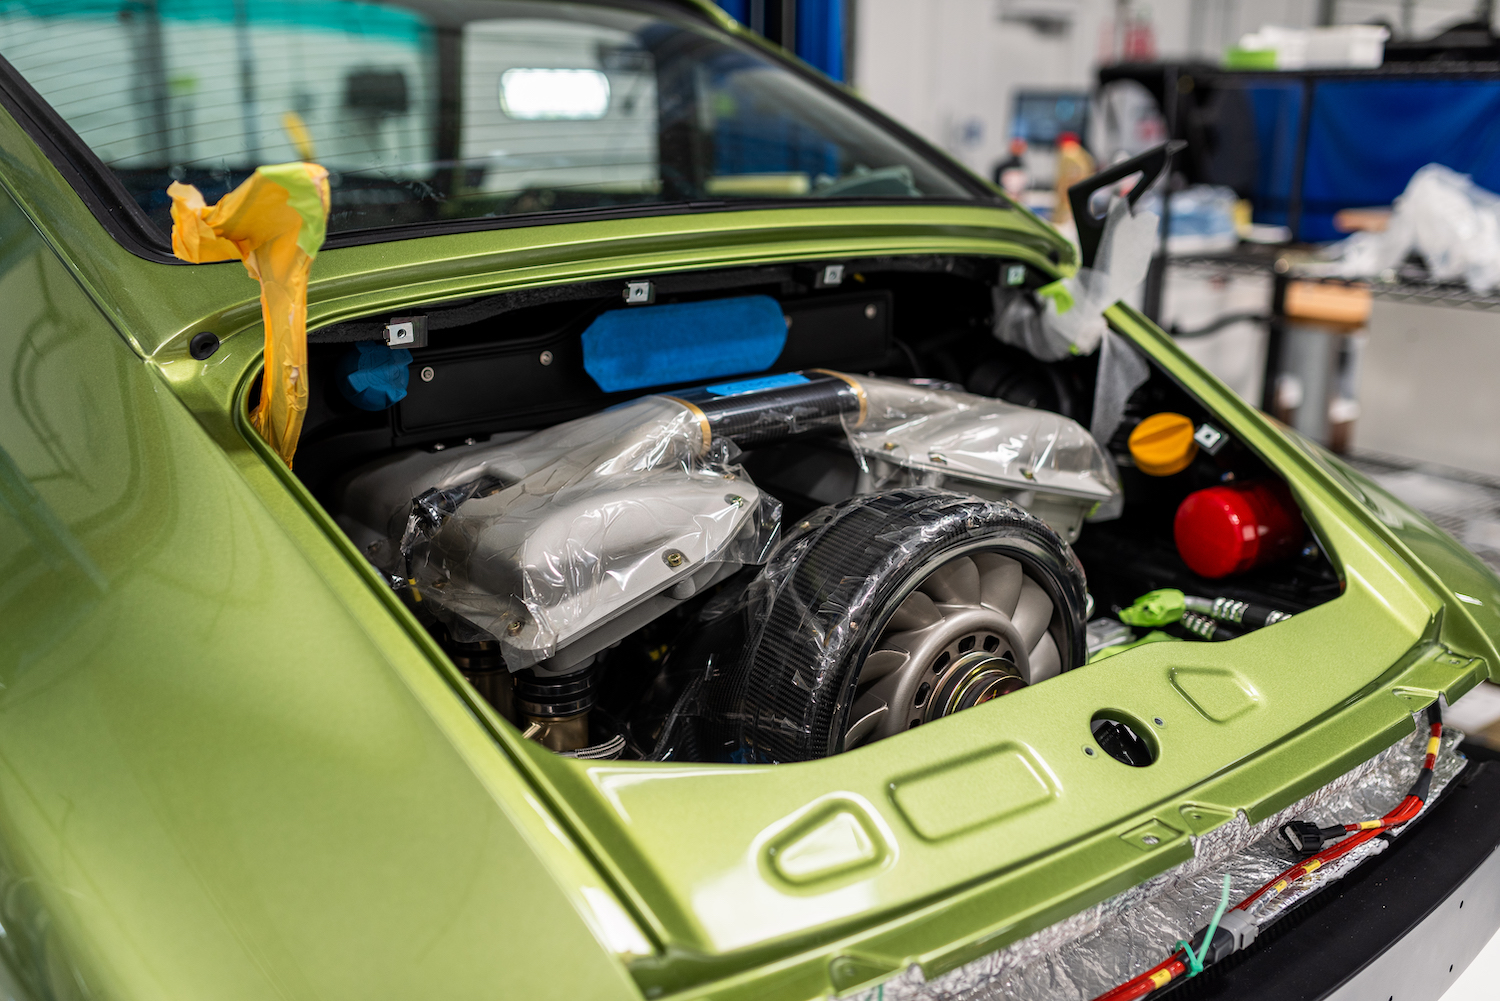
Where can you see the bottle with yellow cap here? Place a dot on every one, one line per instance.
(1163, 444)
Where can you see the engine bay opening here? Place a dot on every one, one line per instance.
(773, 514)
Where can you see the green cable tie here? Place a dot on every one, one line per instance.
(1195, 961)
(1194, 967)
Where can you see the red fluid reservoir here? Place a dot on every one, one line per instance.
(1228, 530)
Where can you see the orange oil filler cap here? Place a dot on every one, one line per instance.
(1163, 444)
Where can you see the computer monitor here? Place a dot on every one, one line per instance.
(1042, 115)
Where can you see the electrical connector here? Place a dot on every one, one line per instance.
(1236, 930)
(1307, 838)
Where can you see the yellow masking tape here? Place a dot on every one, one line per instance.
(274, 222)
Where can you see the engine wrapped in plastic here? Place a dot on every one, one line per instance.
(589, 529)
(540, 541)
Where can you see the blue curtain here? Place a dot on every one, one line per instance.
(820, 35)
(737, 9)
(1277, 108)
(820, 31)
(1366, 139)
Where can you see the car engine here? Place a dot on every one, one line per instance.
(555, 546)
(862, 535)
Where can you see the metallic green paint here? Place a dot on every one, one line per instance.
(225, 770)
(233, 765)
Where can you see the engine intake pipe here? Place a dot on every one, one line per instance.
(754, 412)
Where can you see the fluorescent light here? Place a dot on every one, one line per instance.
(569, 95)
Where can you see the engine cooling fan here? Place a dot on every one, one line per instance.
(895, 609)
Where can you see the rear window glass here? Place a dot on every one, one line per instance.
(435, 112)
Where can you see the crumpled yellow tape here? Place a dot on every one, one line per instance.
(274, 222)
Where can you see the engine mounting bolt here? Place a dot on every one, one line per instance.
(427, 373)
(514, 629)
(890, 446)
(546, 358)
(734, 499)
(1151, 839)
(938, 457)
(1028, 472)
(673, 558)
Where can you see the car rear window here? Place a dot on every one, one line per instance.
(433, 112)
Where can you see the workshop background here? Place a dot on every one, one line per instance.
(1330, 244)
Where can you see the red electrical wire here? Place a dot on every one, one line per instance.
(1157, 976)
(1164, 973)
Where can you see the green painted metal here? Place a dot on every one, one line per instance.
(224, 771)
(233, 765)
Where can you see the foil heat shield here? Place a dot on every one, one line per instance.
(1083, 956)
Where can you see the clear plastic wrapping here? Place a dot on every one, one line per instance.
(1070, 319)
(768, 679)
(1444, 216)
(559, 543)
(541, 540)
(1102, 946)
(919, 434)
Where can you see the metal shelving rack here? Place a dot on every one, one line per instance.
(1179, 88)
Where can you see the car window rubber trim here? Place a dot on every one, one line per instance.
(86, 174)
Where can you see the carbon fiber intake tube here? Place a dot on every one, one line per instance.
(758, 411)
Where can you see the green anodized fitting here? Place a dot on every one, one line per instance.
(1155, 608)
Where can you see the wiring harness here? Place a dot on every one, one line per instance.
(1234, 929)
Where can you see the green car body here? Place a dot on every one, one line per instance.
(233, 765)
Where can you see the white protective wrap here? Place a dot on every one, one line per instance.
(540, 540)
(1072, 322)
(1443, 216)
(1046, 463)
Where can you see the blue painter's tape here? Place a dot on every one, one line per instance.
(756, 385)
(373, 376)
(643, 346)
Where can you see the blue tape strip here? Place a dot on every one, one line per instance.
(756, 385)
(373, 376)
(640, 346)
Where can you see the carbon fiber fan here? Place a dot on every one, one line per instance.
(895, 609)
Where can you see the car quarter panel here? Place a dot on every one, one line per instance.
(216, 779)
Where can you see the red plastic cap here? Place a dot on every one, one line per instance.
(1063, 138)
(1228, 530)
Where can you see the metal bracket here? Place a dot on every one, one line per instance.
(406, 332)
(1153, 165)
